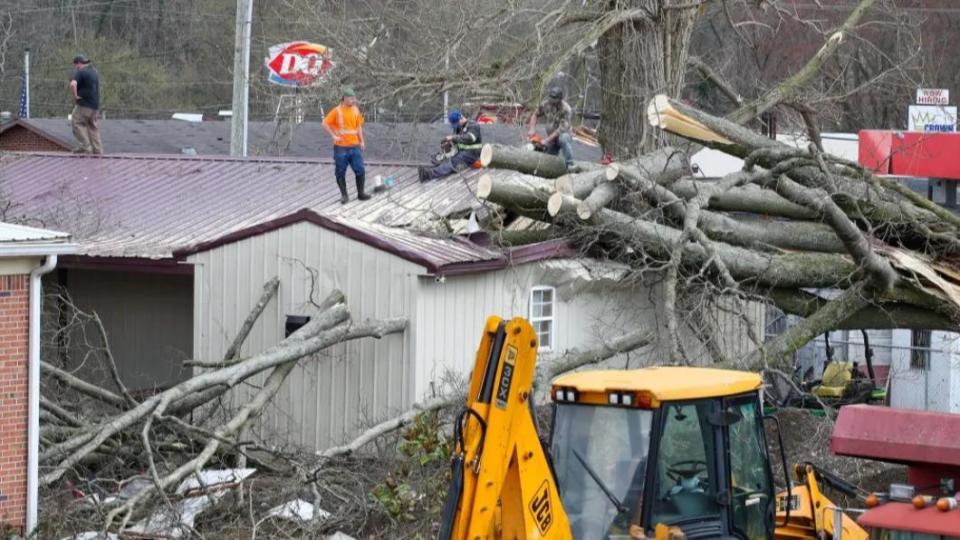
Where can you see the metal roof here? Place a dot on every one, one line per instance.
(156, 207)
(387, 142)
(13, 233)
(19, 240)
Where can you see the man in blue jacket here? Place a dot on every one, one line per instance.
(466, 136)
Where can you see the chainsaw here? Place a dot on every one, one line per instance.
(535, 143)
(447, 150)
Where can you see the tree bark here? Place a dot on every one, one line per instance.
(766, 269)
(639, 58)
(498, 156)
(831, 314)
(886, 315)
(527, 195)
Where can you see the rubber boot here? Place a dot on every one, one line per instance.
(342, 184)
(361, 179)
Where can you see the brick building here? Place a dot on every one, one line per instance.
(24, 136)
(25, 254)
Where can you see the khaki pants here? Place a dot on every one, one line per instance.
(84, 122)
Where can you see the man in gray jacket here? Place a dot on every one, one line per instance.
(558, 116)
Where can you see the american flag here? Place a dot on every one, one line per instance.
(24, 113)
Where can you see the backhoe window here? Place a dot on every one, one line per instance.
(612, 443)
(749, 474)
(686, 466)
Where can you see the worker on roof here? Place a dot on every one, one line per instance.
(558, 115)
(466, 139)
(85, 90)
(344, 123)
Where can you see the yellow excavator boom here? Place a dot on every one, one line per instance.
(503, 486)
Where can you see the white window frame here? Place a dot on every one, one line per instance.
(552, 318)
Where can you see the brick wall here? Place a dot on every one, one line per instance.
(14, 329)
(21, 139)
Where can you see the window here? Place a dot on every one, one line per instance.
(920, 350)
(749, 476)
(543, 315)
(686, 469)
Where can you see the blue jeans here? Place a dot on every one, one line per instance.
(347, 155)
(460, 161)
(562, 145)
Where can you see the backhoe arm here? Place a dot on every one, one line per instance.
(812, 514)
(502, 483)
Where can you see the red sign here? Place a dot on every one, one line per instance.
(298, 63)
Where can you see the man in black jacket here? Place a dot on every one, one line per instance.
(85, 90)
(466, 135)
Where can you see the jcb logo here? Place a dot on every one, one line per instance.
(540, 508)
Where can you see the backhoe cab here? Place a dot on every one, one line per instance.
(675, 447)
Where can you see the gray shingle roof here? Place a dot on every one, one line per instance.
(385, 142)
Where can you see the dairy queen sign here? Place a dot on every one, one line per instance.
(298, 63)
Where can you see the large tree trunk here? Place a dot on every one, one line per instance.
(639, 58)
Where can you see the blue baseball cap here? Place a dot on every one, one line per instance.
(454, 117)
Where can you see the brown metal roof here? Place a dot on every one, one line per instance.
(156, 207)
(446, 255)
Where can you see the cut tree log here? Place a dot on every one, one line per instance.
(581, 184)
(601, 196)
(498, 156)
(751, 233)
(765, 269)
(750, 198)
(524, 193)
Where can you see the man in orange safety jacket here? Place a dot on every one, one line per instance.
(345, 125)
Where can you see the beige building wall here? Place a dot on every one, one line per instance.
(330, 398)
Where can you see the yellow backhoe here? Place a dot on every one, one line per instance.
(664, 453)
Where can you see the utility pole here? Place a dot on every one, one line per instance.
(26, 81)
(241, 79)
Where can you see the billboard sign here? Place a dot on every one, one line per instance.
(298, 63)
(933, 96)
(932, 118)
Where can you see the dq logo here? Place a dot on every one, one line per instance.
(298, 63)
(540, 508)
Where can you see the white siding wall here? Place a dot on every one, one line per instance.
(325, 401)
(933, 389)
(450, 318)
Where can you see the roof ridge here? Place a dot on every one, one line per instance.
(211, 158)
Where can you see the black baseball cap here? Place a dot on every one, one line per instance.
(81, 59)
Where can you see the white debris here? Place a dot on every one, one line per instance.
(339, 536)
(175, 523)
(298, 510)
(212, 480)
(93, 535)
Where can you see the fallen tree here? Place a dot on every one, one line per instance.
(804, 221)
(170, 423)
